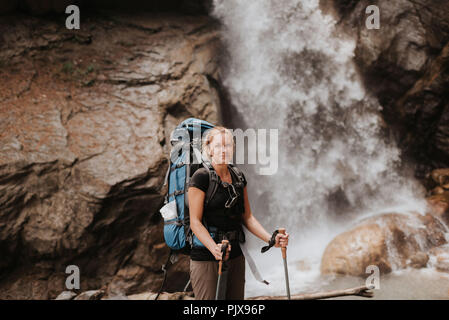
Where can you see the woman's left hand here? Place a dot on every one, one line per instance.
(281, 240)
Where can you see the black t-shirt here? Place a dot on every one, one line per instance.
(225, 219)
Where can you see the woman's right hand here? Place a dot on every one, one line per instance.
(218, 254)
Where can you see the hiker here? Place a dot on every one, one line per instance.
(227, 210)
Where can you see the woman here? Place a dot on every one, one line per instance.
(218, 149)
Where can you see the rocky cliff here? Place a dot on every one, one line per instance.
(405, 64)
(85, 121)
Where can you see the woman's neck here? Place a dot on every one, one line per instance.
(221, 169)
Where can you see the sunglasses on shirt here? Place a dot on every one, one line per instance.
(232, 194)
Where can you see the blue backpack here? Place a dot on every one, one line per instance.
(185, 159)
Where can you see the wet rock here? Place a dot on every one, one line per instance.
(418, 260)
(116, 297)
(437, 190)
(441, 177)
(440, 258)
(439, 204)
(351, 252)
(66, 295)
(412, 45)
(390, 241)
(163, 296)
(90, 295)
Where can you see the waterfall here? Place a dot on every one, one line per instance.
(287, 67)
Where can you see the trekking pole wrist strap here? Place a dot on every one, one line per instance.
(271, 242)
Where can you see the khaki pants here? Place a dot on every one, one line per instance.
(204, 276)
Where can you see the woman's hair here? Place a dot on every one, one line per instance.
(209, 136)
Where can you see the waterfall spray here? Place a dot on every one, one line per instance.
(289, 68)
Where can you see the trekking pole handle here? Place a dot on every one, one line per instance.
(284, 249)
(224, 249)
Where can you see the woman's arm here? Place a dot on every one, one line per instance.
(196, 204)
(256, 228)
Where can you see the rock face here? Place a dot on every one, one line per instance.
(66, 295)
(390, 241)
(439, 199)
(90, 295)
(163, 296)
(100, 295)
(440, 258)
(405, 65)
(85, 121)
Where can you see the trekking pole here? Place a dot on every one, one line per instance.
(164, 269)
(284, 257)
(221, 283)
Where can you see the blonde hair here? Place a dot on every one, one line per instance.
(209, 136)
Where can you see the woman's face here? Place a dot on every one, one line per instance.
(222, 148)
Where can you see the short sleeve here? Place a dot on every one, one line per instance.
(244, 180)
(200, 179)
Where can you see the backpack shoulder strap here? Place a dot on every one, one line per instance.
(213, 183)
(237, 172)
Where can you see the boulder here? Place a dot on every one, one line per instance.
(90, 295)
(419, 260)
(390, 241)
(66, 295)
(439, 204)
(440, 258)
(116, 297)
(163, 296)
(441, 177)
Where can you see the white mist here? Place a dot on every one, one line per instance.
(288, 69)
